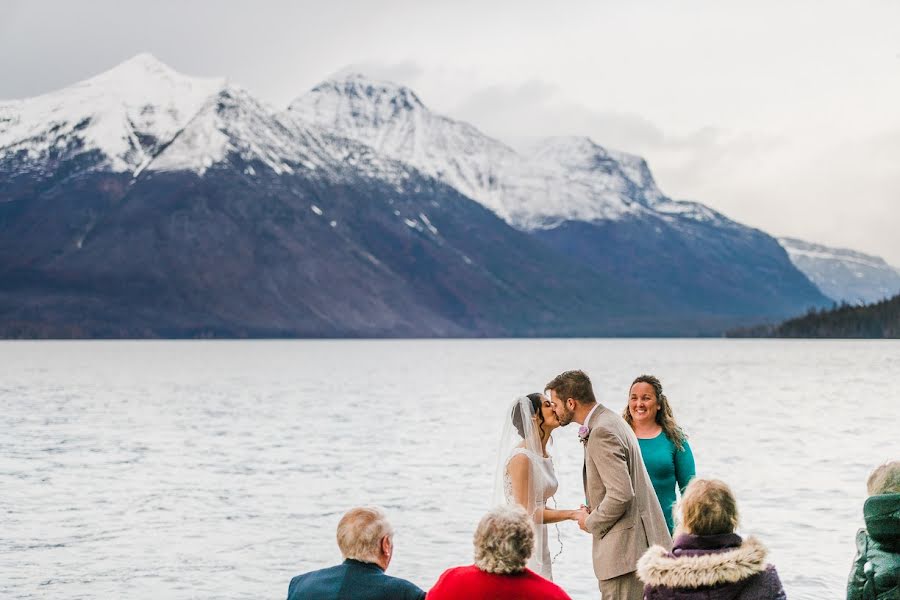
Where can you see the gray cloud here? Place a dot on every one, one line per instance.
(405, 72)
(520, 113)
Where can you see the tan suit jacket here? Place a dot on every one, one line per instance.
(625, 517)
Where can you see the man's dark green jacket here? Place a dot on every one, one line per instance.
(876, 570)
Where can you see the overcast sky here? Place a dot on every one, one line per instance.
(784, 115)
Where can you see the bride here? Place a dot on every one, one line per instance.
(525, 473)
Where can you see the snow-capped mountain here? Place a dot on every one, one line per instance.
(125, 116)
(598, 206)
(844, 275)
(233, 124)
(144, 202)
(555, 180)
(236, 222)
(562, 178)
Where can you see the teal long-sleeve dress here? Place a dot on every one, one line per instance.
(667, 467)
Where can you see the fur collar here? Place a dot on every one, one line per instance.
(658, 567)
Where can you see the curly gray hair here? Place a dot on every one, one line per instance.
(504, 540)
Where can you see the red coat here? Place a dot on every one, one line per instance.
(472, 583)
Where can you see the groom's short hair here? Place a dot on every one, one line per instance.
(573, 384)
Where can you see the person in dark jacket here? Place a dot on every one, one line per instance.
(709, 561)
(366, 541)
(875, 574)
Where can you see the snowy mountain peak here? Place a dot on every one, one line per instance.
(577, 152)
(584, 153)
(842, 274)
(377, 91)
(578, 143)
(391, 119)
(232, 123)
(800, 247)
(126, 113)
(139, 81)
(369, 101)
(562, 178)
(140, 65)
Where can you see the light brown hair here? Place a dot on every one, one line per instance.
(708, 507)
(885, 479)
(665, 418)
(573, 384)
(360, 531)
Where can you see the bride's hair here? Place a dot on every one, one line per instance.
(536, 401)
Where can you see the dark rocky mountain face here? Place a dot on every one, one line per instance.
(176, 254)
(697, 270)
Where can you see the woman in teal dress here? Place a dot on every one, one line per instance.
(664, 447)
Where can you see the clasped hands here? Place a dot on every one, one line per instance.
(581, 515)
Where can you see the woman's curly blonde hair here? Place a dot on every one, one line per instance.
(665, 418)
(504, 540)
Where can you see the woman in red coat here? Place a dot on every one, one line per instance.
(503, 542)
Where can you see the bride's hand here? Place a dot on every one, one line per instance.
(576, 514)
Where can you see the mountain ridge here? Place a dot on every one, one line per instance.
(598, 206)
(842, 274)
(246, 220)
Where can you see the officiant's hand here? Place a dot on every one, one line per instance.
(582, 516)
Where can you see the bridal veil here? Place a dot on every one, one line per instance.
(520, 435)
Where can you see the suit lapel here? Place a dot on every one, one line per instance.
(600, 408)
(584, 475)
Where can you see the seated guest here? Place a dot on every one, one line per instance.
(503, 542)
(876, 570)
(709, 560)
(366, 541)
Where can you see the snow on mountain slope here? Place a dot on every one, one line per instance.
(557, 179)
(142, 115)
(393, 120)
(234, 126)
(844, 275)
(127, 113)
(232, 122)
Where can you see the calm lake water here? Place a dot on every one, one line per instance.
(220, 469)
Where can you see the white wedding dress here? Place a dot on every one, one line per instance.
(546, 483)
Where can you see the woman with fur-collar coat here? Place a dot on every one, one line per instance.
(709, 561)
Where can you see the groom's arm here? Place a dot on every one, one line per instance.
(608, 453)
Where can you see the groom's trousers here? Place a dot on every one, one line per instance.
(623, 587)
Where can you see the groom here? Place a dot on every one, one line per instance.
(624, 516)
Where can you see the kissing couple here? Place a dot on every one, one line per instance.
(621, 513)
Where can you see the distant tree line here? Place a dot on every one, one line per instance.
(878, 320)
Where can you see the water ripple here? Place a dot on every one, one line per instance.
(206, 469)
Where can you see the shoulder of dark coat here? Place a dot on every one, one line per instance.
(408, 587)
